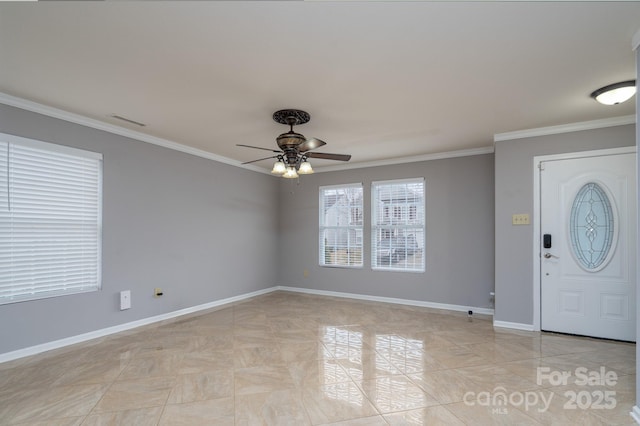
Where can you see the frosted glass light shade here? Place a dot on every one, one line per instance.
(278, 168)
(305, 168)
(614, 94)
(290, 173)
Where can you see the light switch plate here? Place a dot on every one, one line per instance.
(125, 300)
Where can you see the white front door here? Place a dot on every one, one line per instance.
(588, 246)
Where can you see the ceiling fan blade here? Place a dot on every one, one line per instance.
(257, 147)
(254, 161)
(309, 144)
(327, 156)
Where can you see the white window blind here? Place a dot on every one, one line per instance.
(398, 225)
(341, 215)
(50, 220)
(4, 176)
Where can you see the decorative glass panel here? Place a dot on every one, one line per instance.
(592, 226)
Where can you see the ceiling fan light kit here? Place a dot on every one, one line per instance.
(616, 93)
(279, 168)
(290, 173)
(305, 168)
(294, 153)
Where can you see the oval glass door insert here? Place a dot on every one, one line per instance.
(592, 227)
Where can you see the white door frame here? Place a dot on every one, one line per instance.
(536, 213)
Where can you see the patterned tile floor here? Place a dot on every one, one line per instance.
(295, 359)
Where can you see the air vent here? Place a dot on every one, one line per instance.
(119, 117)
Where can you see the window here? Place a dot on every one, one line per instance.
(397, 225)
(50, 220)
(341, 225)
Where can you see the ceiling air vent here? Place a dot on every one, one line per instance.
(119, 117)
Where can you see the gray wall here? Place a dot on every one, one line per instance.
(459, 234)
(204, 231)
(514, 194)
(199, 229)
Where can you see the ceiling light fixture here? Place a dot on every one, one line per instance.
(294, 149)
(291, 167)
(305, 167)
(614, 94)
(290, 173)
(279, 168)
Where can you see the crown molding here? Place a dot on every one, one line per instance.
(49, 111)
(566, 128)
(405, 160)
(27, 105)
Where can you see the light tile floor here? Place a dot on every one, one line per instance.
(295, 359)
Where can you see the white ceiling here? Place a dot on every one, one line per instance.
(381, 80)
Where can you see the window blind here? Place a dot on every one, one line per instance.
(341, 214)
(50, 220)
(4, 176)
(398, 225)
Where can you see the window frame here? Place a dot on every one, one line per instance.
(94, 161)
(394, 224)
(323, 227)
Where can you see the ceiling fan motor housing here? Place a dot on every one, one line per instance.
(289, 140)
(288, 143)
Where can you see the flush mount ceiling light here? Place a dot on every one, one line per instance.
(614, 94)
(295, 149)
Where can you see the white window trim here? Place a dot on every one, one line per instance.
(374, 227)
(49, 146)
(61, 149)
(321, 226)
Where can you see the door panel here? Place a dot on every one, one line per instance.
(588, 274)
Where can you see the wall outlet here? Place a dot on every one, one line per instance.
(305, 273)
(125, 300)
(157, 292)
(520, 219)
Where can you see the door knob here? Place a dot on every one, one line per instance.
(549, 256)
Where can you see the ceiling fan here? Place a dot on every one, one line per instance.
(295, 148)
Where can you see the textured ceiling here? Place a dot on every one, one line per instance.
(381, 80)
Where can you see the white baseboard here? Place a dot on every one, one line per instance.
(513, 325)
(420, 303)
(56, 344)
(635, 414)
